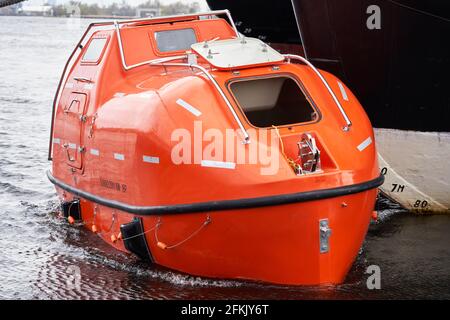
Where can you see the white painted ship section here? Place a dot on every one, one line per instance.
(416, 167)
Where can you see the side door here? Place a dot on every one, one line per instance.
(74, 118)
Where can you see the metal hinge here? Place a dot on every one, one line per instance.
(324, 235)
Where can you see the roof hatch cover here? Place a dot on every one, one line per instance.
(237, 53)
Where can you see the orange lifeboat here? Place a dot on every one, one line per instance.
(195, 148)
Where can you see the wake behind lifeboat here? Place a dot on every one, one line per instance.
(179, 140)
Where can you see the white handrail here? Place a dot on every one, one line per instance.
(163, 62)
(209, 13)
(309, 64)
(116, 25)
(218, 88)
(187, 15)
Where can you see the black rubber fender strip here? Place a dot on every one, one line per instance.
(245, 203)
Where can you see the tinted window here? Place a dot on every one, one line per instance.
(273, 101)
(94, 51)
(174, 40)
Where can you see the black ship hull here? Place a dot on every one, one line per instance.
(399, 71)
(395, 56)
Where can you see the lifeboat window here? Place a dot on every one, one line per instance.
(273, 101)
(94, 50)
(175, 40)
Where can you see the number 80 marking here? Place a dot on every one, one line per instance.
(421, 204)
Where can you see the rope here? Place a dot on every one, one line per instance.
(281, 141)
(68, 211)
(92, 221)
(142, 233)
(205, 223)
(291, 162)
(155, 227)
(113, 220)
(70, 208)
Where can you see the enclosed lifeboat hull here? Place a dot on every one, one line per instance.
(118, 169)
(276, 244)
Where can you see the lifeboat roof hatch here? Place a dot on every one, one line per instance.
(237, 53)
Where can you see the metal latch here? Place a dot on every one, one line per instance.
(66, 146)
(308, 154)
(324, 235)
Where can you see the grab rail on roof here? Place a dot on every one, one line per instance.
(116, 25)
(246, 139)
(184, 16)
(290, 57)
(164, 62)
(119, 37)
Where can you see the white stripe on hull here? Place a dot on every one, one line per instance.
(218, 164)
(365, 144)
(416, 167)
(343, 92)
(189, 107)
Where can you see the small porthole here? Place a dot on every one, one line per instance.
(94, 50)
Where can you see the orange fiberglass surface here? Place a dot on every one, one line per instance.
(198, 149)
